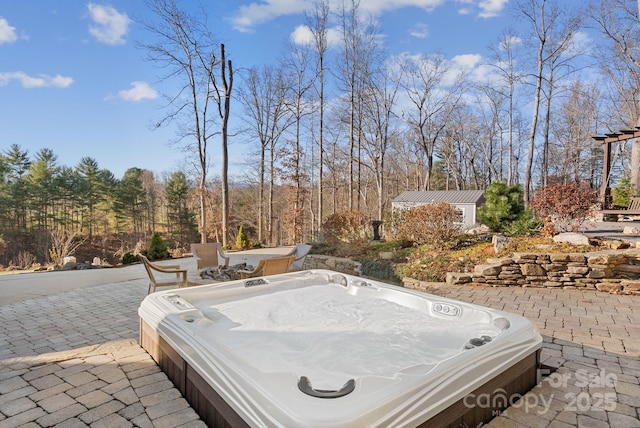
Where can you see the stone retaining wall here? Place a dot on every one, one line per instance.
(609, 271)
(317, 261)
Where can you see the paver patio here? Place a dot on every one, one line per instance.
(72, 359)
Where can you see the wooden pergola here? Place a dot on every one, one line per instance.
(608, 139)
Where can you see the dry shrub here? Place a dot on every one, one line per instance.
(24, 260)
(565, 206)
(63, 244)
(348, 232)
(549, 228)
(437, 224)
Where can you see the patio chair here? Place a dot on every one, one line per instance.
(152, 269)
(300, 252)
(271, 266)
(209, 255)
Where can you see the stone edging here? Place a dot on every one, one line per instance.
(609, 271)
(318, 261)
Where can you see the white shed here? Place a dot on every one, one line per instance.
(466, 201)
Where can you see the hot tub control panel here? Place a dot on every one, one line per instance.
(447, 309)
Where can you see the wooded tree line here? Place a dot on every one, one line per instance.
(352, 126)
(337, 123)
(39, 196)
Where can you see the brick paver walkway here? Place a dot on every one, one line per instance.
(72, 360)
(590, 337)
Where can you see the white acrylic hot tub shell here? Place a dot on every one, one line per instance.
(406, 397)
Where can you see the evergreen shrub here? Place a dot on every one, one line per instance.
(157, 248)
(504, 210)
(242, 241)
(129, 258)
(623, 192)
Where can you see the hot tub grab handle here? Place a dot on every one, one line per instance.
(304, 385)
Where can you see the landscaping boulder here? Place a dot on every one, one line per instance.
(572, 238)
(499, 241)
(488, 270)
(615, 244)
(456, 278)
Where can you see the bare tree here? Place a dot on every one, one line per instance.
(572, 129)
(462, 151)
(359, 53)
(301, 79)
(431, 102)
(490, 116)
(505, 63)
(406, 165)
(222, 97)
(530, 9)
(186, 49)
(349, 71)
(264, 98)
(378, 121)
(318, 21)
(552, 30)
(561, 57)
(619, 57)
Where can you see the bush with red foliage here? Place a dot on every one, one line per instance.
(565, 207)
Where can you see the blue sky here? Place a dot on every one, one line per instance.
(73, 80)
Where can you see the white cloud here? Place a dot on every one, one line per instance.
(491, 8)
(466, 61)
(258, 12)
(7, 32)
(261, 11)
(471, 65)
(109, 26)
(465, 64)
(377, 7)
(580, 42)
(42, 81)
(420, 31)
(302, 35)
(485, 74)
(509, 41)
(139, 91)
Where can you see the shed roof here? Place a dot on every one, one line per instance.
(450, 196)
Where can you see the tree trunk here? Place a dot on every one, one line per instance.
(321, 142)
(635, 164)
(261, 195)
(227, 85)
(534, 124)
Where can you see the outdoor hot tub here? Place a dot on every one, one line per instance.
(323, 349)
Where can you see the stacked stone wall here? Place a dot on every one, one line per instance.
(609, 271)
(317, 261)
